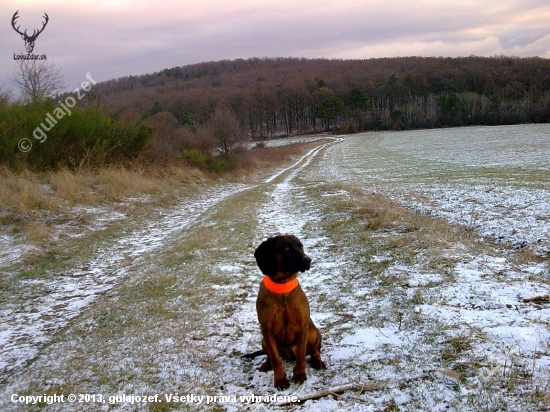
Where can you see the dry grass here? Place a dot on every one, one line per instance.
(38, 234)
(76, 188)
(21, 193)
(38, 207)
(525, 255)
(379, 213)
(382, 226)
(43, 208)
(117, 183)
(27, 191)
(177, 175)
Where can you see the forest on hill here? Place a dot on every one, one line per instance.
(194, 112)
(283, 96)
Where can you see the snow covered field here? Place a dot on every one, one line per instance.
(495, 180)
(432, 324)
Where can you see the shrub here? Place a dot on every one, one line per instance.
(87, 136)
(195, 157)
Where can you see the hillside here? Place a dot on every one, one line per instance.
(284, 96)
(446, 310)
(194, 112)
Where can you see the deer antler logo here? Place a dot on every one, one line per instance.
(29, 40)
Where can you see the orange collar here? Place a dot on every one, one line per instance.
(280, 288)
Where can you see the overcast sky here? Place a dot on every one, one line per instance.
(116, 38)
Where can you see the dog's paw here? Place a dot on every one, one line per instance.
(266, 366)
(299, 377)
(317, 363)
(282, 383)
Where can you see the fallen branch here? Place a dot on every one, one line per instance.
(344, 319)
(361, 387)
(537, 299)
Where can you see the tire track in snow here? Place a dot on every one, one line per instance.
(302, 162)
(287, 208)
(277, 215)
(30, 321)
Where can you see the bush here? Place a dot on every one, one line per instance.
(196, 158)
(86, 136)
(167, 140)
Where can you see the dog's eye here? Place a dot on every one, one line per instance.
(287, 250)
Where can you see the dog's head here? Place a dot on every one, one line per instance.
(282, 257)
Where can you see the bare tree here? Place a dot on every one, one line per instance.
(38, 80)
(226, 131)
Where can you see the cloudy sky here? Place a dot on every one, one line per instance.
(116, 38)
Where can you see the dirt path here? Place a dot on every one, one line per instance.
(41, 309)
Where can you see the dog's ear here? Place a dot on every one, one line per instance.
(265, 257)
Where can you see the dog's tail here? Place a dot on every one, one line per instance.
(253, 354)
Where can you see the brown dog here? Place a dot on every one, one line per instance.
(283, 310)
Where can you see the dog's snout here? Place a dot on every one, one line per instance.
(306, 262)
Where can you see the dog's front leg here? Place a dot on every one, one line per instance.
(299, 374)
(280, 380)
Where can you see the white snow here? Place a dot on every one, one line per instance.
(495, 180)
(28, 323)
(392, 337)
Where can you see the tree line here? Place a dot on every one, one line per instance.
(284, 96)
(201, 113)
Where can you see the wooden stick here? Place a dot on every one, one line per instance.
(344, 319)
(362, 387)
(543, 298)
